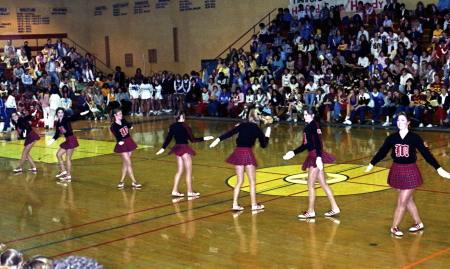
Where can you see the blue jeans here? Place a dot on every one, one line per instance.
(361, 111)
(186, 102)
(337, 110)
(377, 111)
(212, 107)
(261, 60)
(310, 98)
(3, 116)
(9, 112)
(54, 76)
(401, 108)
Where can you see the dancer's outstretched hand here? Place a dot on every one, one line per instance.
(24, 133)
(289, 155)
(84, 112)
(369, 167)
(443, 173)
(206, 138)
(50, 142)
(213, 144)
(160, 152)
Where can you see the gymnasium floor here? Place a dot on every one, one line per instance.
(147, 228)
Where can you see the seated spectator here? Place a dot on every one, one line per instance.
(361, 106)
(320, 102)
(213, 101)
(12, 258)
(203, 102)
(444, 105)
(66, 103)
(39, 262)
(76, 262)
(429, 108)
(224, 99)
(275, 102)
(416, 106)
(112, 102)
(27, 82)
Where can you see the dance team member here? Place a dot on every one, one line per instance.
(64, 126)
(182, 151)
(125, 145)
(243, 158)
(404, 174)
(312, 141)
(25, 131)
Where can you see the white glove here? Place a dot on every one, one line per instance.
(160, 151)
(24, 133)
(443, 173)
(268, 130)
(50, 142)
(206, 138)
(215, 143)
(289, 155)
(121, 143)
(84, 112)
(34, 113)
(369, 167)
(319, 163)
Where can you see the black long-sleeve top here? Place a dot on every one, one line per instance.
(182, 134)
(64, 126)
(121, 131)
(404, 150)
(312, 139)
(248, 133)
(23, 125)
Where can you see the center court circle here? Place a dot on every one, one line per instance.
(302, 178)
(290, 180)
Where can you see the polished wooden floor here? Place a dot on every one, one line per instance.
(147, 228)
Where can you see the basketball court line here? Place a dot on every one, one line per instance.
(426, 258)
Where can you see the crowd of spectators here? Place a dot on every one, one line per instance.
(375, 62)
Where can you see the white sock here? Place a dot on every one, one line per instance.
(387, 118)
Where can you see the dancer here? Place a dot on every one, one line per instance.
(183, 152)
(243, 157)
(125, 145)
(312, 141)
(404, 174)
(25, 131)
(63, 126)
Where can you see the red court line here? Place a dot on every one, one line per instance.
(426, 258)
(123, 215)
(161, 228)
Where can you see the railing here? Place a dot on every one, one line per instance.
(228, 49)
(98, 64)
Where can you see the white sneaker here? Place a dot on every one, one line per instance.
(416, 227)
(289, 119)
(387, 123)
(348, 122)
(132, 114)
(429, 125)
(421, 125)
